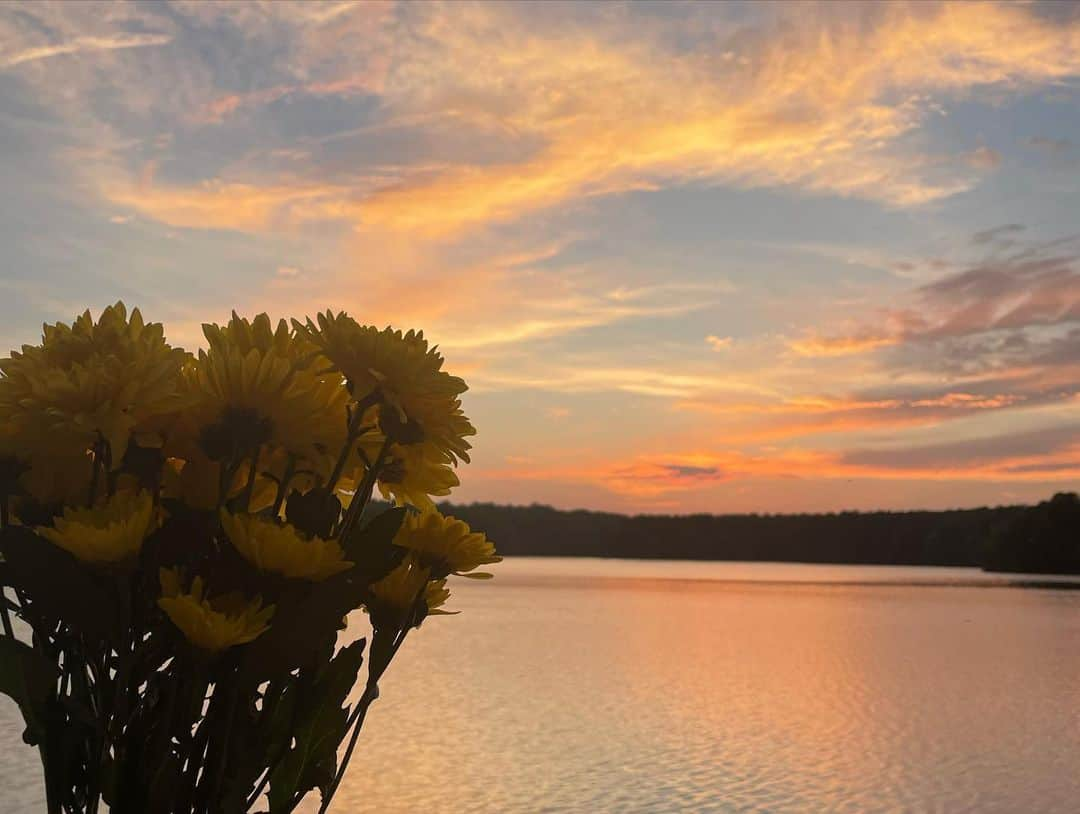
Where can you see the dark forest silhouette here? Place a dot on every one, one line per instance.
(1035, 539)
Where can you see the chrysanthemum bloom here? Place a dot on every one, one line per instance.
(212, 624)
(196, 482)
(48, 480)
(435, 595)
(53, 480)
(395, 595)
(406, 373)
(109, 532)
(90, 381)
(193, 480)
(415, 473)
(258, 386)
(445, 544)
(13, 464)
(412, 473)
(281, 549)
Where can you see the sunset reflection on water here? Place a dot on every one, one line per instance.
(615, 686)
(725, 687)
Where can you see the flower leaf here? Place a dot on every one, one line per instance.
(60, 588)
(314, 512)
(322, 724)
(372, 547)
(28, 679)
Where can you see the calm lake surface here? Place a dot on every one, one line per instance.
(617, 686)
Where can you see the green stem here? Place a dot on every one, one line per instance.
(249, 489)
(65, 675)
(218, 752)
(283, 485)
(300, 687)
(194, 744)
(356, 719)
(5, 616)
(362, 406)
(52, 803)
(343, 456)
(95, 474)
(195, 763)
(113, 715)
(363, 494)
(225, 481)
(271, 699)
(161, 745)
(371, 692)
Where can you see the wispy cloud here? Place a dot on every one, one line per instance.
(861, 341)
(1038, 286)
(81, 45)
(890, 409)
(641, 380)
(1000, 336)
(1011, 454)
(785, 124)
(809, 101)
(1052, 453)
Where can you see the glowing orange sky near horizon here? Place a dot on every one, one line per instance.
(700, 257)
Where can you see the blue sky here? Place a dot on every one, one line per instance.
(691, 257)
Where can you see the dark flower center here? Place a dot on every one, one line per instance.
(238, 433)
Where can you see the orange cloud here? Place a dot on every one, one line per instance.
(508, 114)
(646, 381)
(224, 106)
(862, 342)
(804, 109)
(651, 475)
(222, 205)
(817, 105)
(663, 474)
(805, 416)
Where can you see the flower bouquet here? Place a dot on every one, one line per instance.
(183, 537)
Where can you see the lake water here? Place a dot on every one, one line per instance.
(617, 686)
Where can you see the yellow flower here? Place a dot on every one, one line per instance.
(435, 595)
(445, 544)
(280, 548)
(406, 373)
(397, 592)
(13, 464)
(411, 475)
(90, 381)
(256, 386)
(212, 624)
(195, 481)
(53, 479)
(26, 470)
(110, 532)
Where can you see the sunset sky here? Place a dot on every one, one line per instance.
(690, 257)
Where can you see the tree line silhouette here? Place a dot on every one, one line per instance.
(1034, 539)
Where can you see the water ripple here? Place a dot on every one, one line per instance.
(796, 691)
